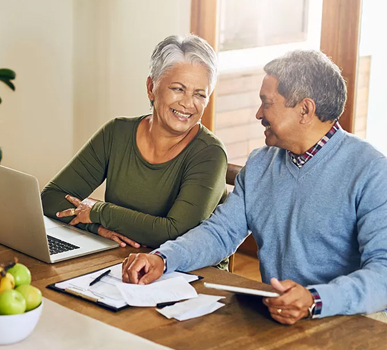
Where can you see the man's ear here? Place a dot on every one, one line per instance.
(149, 89)
(308, 110)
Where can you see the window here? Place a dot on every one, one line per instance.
(251, 23)
(251, 33)
(371, 90)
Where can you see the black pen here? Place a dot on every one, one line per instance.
(95, 280)
(168, 303)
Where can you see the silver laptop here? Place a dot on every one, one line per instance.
(23, 226)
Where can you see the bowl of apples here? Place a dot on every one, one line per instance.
(20, 303)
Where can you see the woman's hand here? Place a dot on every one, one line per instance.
(82, 215)
(117, 237)
(81, 210)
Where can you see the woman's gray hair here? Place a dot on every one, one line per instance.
(302, 74)
(190, 49)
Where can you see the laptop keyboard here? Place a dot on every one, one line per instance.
(57, 246)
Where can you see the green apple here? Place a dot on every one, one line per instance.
(21, 274)
(31, 294)
(12, 302)
(6, 282)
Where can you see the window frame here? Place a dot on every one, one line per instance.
(340, 35)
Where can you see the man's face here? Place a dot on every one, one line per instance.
(282, 124)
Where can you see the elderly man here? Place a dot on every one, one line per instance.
(314, 199)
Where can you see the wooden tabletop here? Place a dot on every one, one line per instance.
(242, 324)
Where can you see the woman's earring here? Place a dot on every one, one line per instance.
(151, 104)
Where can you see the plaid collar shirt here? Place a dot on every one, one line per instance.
(300, 160)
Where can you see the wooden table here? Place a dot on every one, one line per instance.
(242, 324)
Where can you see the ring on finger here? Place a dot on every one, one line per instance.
(279, 311)
(72, 212)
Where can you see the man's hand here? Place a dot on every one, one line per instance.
(142, 268)
(117, 237)
(292, 305)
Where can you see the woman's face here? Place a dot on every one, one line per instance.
(180, 97)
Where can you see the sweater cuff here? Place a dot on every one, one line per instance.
(334, 302)
(171, 257)
(95, 212)
(92, 228)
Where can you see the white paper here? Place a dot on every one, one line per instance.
(197, 313)
(202, 305)
(106, 290)
(187, 276)
(172, 289)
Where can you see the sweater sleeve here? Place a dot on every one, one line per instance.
(202, 187)
(81, 176)
(213, 240)
(364, 290)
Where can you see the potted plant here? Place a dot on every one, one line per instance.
(6, 75)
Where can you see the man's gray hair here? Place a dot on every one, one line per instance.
(301, 74)
(189, 49)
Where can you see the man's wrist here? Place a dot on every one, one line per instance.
(162, 256)
(316, 307)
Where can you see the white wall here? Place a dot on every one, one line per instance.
(79, 63)
(113, 43)
(36, 121)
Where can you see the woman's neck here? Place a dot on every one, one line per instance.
(157, 145)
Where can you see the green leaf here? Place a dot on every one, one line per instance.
(7, 73)
(7, 82)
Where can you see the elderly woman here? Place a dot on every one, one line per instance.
(165, 172)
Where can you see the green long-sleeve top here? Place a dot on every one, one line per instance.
(149, 203)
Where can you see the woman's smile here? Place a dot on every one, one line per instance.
(181, 115)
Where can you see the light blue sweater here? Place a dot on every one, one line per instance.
(323, 225)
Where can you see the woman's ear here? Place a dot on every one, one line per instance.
(308, 109)
(149, 89)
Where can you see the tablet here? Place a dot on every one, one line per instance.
(262, 293)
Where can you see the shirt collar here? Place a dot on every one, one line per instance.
(300, 160)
